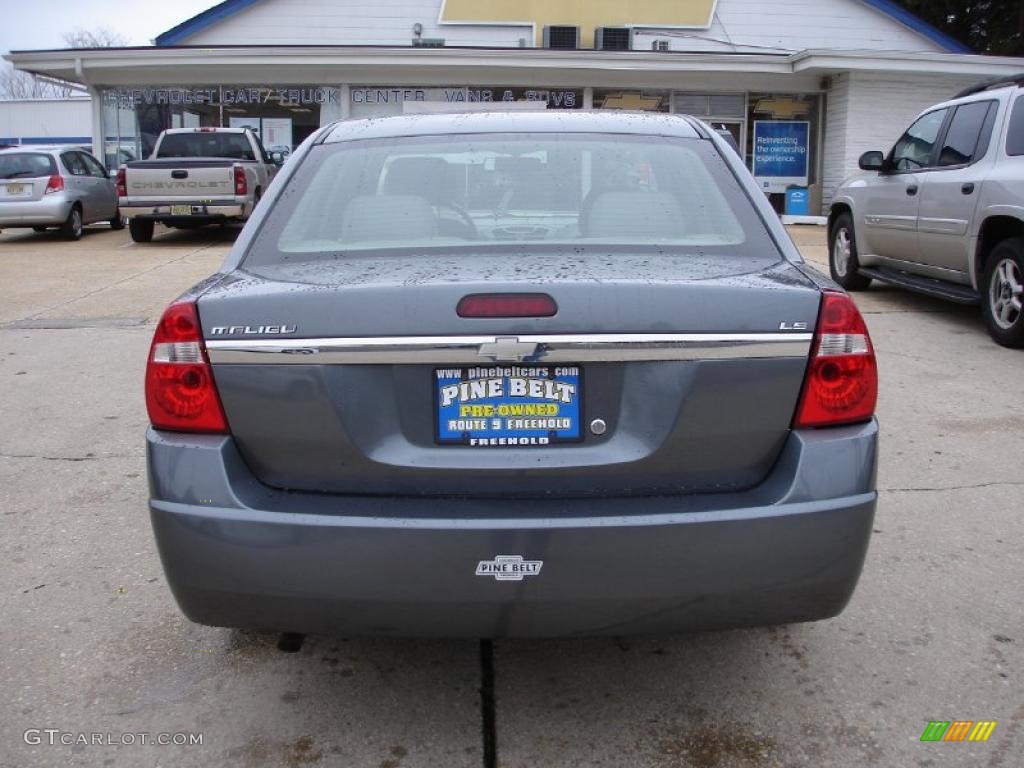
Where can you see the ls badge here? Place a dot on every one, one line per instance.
(509, 567)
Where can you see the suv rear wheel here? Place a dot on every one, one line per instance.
(842, 255)
(141, 230)
(1002, 293)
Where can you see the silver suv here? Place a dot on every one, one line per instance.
(943, 212)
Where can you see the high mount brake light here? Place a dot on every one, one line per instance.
(841, 385)
(506, 305)
(180, 391)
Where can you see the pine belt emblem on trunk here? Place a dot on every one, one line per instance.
(509, 567)
(508, 349)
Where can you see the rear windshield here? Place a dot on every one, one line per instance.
(581, 191)
(26, 165)
(230, 145)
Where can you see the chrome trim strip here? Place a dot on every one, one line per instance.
(465, 350)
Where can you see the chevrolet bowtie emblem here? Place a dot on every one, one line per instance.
(508, 349)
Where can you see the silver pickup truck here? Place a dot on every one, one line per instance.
(195, 177)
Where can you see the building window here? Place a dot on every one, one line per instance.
(724, 111)
(782, 147)
(282, 115)
(710, 105)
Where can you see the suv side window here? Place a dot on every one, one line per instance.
(1015, 131)
(915, 148)
(968, 134)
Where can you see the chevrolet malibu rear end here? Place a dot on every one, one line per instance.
(512, 375)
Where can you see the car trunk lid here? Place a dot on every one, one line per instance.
(687, 370)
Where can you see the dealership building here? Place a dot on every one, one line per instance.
(804, 86)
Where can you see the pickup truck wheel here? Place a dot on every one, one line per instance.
(118, 221)
(842, 255)
(141, 230)
(1002, 293)
(72, 226)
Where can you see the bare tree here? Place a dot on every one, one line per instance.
(15, 84)
(101, 37)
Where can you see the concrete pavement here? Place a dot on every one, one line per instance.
(94, 642)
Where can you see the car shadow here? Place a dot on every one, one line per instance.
(20, 234)
(349, 701)
(697, 699)
(888, 301)
(701, 699)
(210, 234)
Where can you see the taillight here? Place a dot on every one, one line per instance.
(841, 386)
(122, 183)
(506, 305)
(180, 392)
(241, 185)
(55, 184)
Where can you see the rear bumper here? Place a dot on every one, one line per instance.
(239, 208)
(50, 211)
(239, 554)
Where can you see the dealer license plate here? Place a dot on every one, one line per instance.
(181, 210)
(508, 405)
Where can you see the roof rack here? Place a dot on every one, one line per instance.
(987, 85)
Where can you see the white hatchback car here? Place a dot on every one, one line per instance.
(943, 212)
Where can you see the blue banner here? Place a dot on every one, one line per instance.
(781, 153)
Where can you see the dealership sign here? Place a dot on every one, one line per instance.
(555, 98)
(781, 152)
(226, 95)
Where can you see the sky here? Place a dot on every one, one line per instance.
(32, 24)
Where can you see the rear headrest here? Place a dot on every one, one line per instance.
(423, 176)
(387, 217)
(649, 215)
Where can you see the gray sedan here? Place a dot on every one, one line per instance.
(512, 374)
(66, 188)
